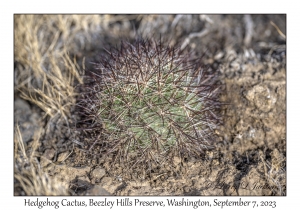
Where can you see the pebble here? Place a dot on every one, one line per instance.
(62, 156)
(98, 173)
(26, 119)
(49, 154)
(262, 97)
(97, 190)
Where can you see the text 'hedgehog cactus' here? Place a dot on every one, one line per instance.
(151, 99)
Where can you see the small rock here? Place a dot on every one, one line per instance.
(21, 108)
(62, 156)
(97, 190)
(106, 180)
(74, 172)
(235, 65)
(219, 55)
(26, 119)
(49, 154)
(187, 189)
(262, 97)
(84, 178)
(47, 157)
(98, 173)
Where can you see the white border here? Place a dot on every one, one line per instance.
(154, 6)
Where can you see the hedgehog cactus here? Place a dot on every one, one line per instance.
(151, 99)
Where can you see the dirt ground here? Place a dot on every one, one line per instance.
(248, 52)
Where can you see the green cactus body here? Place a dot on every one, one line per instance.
(151, 108)
(151, 99)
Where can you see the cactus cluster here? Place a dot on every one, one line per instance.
(150, 100)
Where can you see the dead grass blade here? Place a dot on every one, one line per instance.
(30, 179)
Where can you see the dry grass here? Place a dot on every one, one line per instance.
(45, 74)
(29, 177)
(275, 173)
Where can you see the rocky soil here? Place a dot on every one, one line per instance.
(248, 52)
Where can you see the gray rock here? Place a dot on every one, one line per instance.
(26, 119)
(62, 156)
(49, 154)
(97, 190)
(98, 173)
(262, 97)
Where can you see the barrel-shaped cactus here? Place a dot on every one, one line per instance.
(152, 101)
